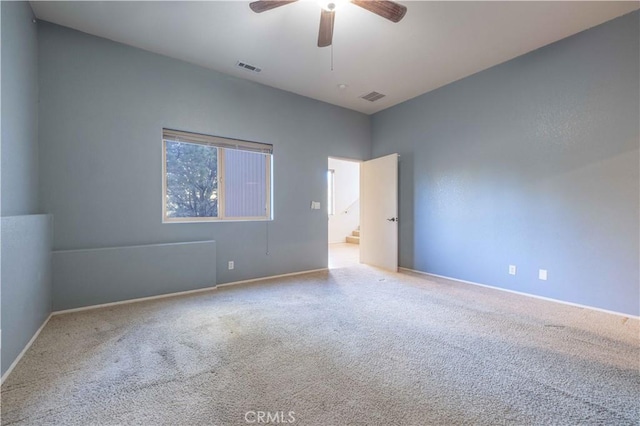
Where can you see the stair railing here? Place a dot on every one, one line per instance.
(346, 211)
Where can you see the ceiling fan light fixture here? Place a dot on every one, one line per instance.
(332, 5)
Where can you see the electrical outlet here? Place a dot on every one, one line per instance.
(512, 269)
(231, 264)
(542, 274)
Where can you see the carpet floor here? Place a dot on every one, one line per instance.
(354, 346)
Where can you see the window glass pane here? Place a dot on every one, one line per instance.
(245, 183)
(192, 180)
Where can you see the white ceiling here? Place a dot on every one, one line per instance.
(436, 43)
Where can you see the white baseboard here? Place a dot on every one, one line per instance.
(549, 299)
(291, 274)
(139, 299)
(24, 350)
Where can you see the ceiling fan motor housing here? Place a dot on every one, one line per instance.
(330, 6)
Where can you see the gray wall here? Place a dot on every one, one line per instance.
(19, 110)
(533, 162)
(26, 280)
(26, 238)
(102, 109)
(96, 276)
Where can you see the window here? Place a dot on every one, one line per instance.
(208, 178)
(331, 191)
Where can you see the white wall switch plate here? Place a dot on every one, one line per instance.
(231, 265)
(512, 269)
(542, 274)
(315, 205)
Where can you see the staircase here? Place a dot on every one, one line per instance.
(354, 238)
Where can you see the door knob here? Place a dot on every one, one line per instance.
(393, 219)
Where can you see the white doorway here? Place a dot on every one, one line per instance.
(343, 205)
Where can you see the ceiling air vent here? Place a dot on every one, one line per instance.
(373, 96)
(248, 67)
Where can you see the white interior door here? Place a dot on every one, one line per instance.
(379, 212)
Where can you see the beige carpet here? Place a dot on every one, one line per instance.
(354, 346)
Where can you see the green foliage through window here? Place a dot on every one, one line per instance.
(191, 180)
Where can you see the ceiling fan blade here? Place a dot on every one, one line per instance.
(387, 9)
(325, 35)
(264, 5)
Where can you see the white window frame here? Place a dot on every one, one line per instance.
(169, 135)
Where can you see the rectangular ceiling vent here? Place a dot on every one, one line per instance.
(373, 96)
(248, 67)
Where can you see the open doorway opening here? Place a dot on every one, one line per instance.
(343, 204)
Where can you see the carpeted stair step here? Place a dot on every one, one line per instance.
(353, 240)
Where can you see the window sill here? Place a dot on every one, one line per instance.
(214, 220)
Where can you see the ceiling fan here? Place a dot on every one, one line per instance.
(387, 9)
